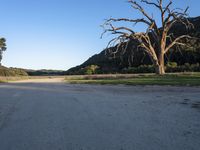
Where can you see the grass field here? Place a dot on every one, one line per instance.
(178, 79)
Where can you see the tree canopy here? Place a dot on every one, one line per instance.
(2, 48)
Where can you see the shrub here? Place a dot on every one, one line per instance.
(92, 69)
(184, 68)
(140, 69)
(172, 64)
(170, 67)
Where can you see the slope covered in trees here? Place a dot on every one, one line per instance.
(12, 72)
(184, 56)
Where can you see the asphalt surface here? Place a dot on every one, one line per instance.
(58, 116)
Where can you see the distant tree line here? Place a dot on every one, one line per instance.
(44, 72)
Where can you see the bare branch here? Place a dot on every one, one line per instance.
(176, 41)
(142, 20)
(167, 7)
(150, 3)
(137, 6)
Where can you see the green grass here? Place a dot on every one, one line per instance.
(180, 79)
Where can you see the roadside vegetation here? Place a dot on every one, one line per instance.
(179, 79)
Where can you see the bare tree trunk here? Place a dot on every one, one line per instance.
(160, 70)
(160, 67)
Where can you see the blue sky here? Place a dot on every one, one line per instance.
(59, 34)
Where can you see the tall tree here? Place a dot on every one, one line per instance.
(2, 48)
(157, 40)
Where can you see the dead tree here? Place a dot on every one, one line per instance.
(156, 41)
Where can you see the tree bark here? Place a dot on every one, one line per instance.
(160, 67)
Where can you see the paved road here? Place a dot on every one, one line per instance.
(56, 116)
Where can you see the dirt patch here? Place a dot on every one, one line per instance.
(41, 80)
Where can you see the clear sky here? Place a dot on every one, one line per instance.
(59, 34)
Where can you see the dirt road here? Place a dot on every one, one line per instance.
(58, 116)
(40, 80)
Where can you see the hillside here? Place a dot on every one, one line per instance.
(9, 72)
(133, 58)
(6, 72)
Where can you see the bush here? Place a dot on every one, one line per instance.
(89, 70)
(140, 69)
(170, 67)
(184, 68)
(172, 64)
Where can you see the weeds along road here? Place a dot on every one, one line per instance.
(58, 116)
